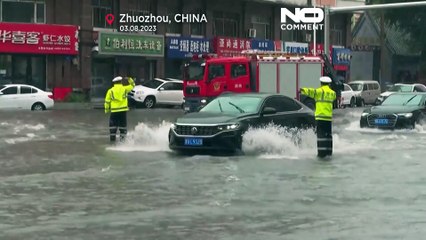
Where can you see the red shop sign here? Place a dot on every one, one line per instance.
(38, 38)
(320, 48)
(225, 46)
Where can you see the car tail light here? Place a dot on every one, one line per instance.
(50, 96)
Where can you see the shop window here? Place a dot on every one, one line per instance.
(262, 26)
(198, 29)
(100, 8)
(24, 11)
(23, 69)
(173, 27)
(336, 34)
(226, 24)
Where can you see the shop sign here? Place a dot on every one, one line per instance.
(262, 45)
(125, 44)
(341, 56)
(225, 46)
(38, 38)
(182, 47)
(278, 45)
(320, 48)
(296, 47)
(364, 48)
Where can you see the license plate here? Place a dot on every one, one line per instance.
(381, 121)
(193, 141)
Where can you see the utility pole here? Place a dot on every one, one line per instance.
(382, 49)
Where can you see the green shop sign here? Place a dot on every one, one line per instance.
(131, 44)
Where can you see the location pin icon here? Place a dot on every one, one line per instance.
(109, 18)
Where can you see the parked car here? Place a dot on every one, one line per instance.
(348, 96)
(367, 91)
(21, 96)
(158, 91)
(399, 110)
(400, 87)
(221, 124)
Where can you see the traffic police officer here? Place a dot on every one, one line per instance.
(116, 104)
(324, 98)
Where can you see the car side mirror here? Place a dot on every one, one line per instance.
(161, 89)
(269, 110)
(1, 93)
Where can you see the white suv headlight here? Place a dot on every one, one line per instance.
(407, 115)
(139, 92)
(173, 126)
(364, 114)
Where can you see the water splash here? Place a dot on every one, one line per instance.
(274, 141)
(36, 127)
(146, 138)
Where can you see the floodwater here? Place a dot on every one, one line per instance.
(60, 179)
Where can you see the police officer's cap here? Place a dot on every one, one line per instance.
(117, 79)
(325, 79)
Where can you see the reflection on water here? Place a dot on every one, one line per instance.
(60, 179)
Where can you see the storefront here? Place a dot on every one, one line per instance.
(228, 47)
(25, 51)
(181, 49)
(132, 55)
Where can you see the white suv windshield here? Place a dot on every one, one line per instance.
(154, 84)
(356, 86)
(401, 88)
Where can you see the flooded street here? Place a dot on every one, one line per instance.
(60, 179)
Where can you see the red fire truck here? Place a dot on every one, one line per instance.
(208, 76)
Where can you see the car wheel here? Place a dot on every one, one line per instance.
(361, 103)
(352, 104)
(149, 102)
(419, 120)
(38, 107)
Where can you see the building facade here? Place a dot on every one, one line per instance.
(103, 52)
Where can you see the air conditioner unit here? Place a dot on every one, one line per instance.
(308, 37)
(252, 33)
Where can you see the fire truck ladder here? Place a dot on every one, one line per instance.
(276, 54)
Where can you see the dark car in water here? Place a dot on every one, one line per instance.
(399, 110)
(222, 122)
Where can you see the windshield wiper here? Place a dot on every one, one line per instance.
(409, 100)
(238, 108)
(220, 106)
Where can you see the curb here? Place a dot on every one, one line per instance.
(71, 106)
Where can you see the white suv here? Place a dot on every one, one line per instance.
(158, 91)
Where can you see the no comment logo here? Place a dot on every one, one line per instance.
(302, 19)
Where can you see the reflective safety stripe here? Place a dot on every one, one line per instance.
(325, 148)
(326, 101)
(325, 139)
(112, 127)
(323, 116)
(112, 95)
(119, 108)
(122, 128)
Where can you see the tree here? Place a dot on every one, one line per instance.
(412, 21)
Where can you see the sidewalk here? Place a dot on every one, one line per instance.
(72, 106)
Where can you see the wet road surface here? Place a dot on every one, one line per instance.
(60, 179)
